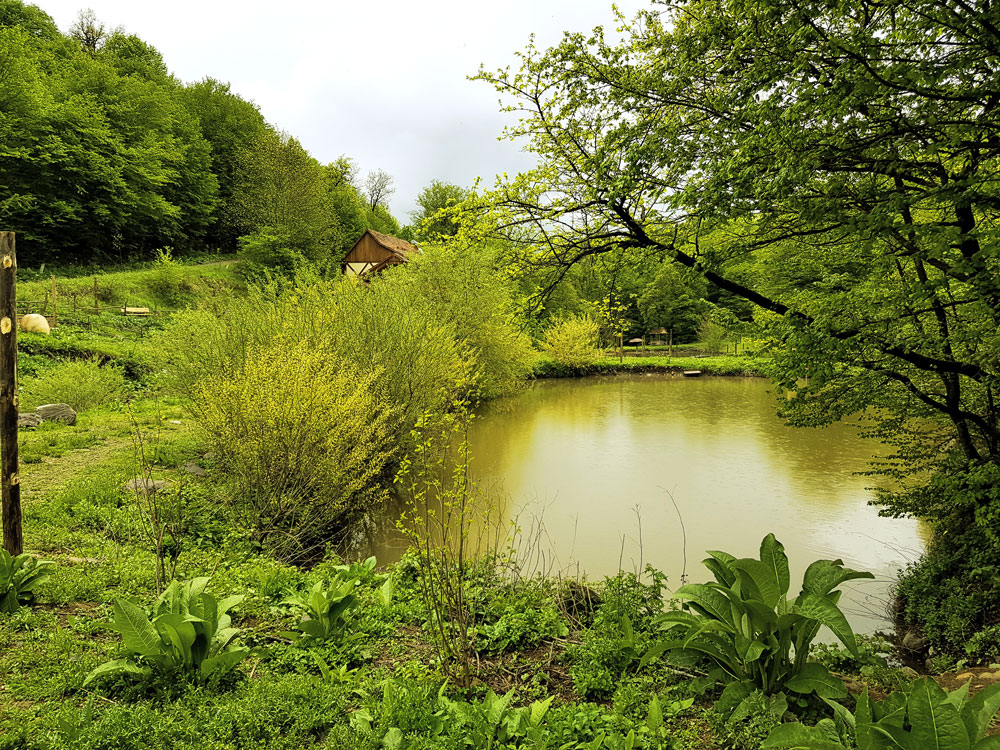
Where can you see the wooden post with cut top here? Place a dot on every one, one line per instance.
(10, 498)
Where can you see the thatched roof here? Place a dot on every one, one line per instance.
(658, 331)
(400, 248)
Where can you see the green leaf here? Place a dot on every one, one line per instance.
(223, 662)
(313, 628)
(386, 591)
(815, 678)
(732, 696)
(823, 576)
(980, 710)
(655, 719)
(795, 736)
(136, 630)
(772, 554)
(117, 666)
(538, 711)
(393, 739)
(179, 633)
(709, 600)
(935, 723)
(819, 608)
(764, 583)
(989, 743)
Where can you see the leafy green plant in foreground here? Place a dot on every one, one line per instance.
(921, 717)
(18, 577)
(326, 606)
(754, 636)
(189, 632)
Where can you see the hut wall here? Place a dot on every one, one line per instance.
(367, 251)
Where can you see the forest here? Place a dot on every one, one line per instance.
(265, 518)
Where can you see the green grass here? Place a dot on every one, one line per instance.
(718, 365)
(161, 287)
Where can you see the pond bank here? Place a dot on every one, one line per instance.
(740, 366)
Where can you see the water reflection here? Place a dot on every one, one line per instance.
(596, 460)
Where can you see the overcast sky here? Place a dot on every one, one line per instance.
(382, 81)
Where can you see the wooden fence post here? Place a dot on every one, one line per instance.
(55, 305)
(10, 497)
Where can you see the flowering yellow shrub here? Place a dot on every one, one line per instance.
(304, 442)
(572, 341)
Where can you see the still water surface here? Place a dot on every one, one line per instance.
(592, 464)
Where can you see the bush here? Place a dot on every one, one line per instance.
(304, 442)
(365, 330)
(459, 286)
(83, 384)
(952, 593)
(621, 632)
(268, 251)
(189, 634)
(572, 342)
(167, 281)
(751, 721)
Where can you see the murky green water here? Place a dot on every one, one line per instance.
(588, 467)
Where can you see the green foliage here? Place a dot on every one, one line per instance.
(189, 634)
(746, 719)
(18, 577)
(268, 251)
(953, 593)
(744, 625)
(621, 632)
(435, 217)
(167, 280)
(82, 383)
(493, 722)
(279, 189)
(673, 300)
(519, 629)
(459, 286)
(920, 716)
(304, 442)
(571, 342)
(711, 334)
(327, 604)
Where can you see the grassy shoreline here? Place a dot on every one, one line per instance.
(733, 366)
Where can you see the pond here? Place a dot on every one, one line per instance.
(588, 468)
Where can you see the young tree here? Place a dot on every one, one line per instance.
(378, 188)
(280, 186)
(431, 219)
(89, 31)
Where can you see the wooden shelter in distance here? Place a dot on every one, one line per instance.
(375, 252)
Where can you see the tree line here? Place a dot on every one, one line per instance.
(106, 155)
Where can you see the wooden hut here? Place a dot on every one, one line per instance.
(375, 252)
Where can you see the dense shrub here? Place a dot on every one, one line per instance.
(83, 384)
(952, 594)
(461, 287)
(365, 330)
(167, 281)
(268, 251)
(303, 441)
(572, 342)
